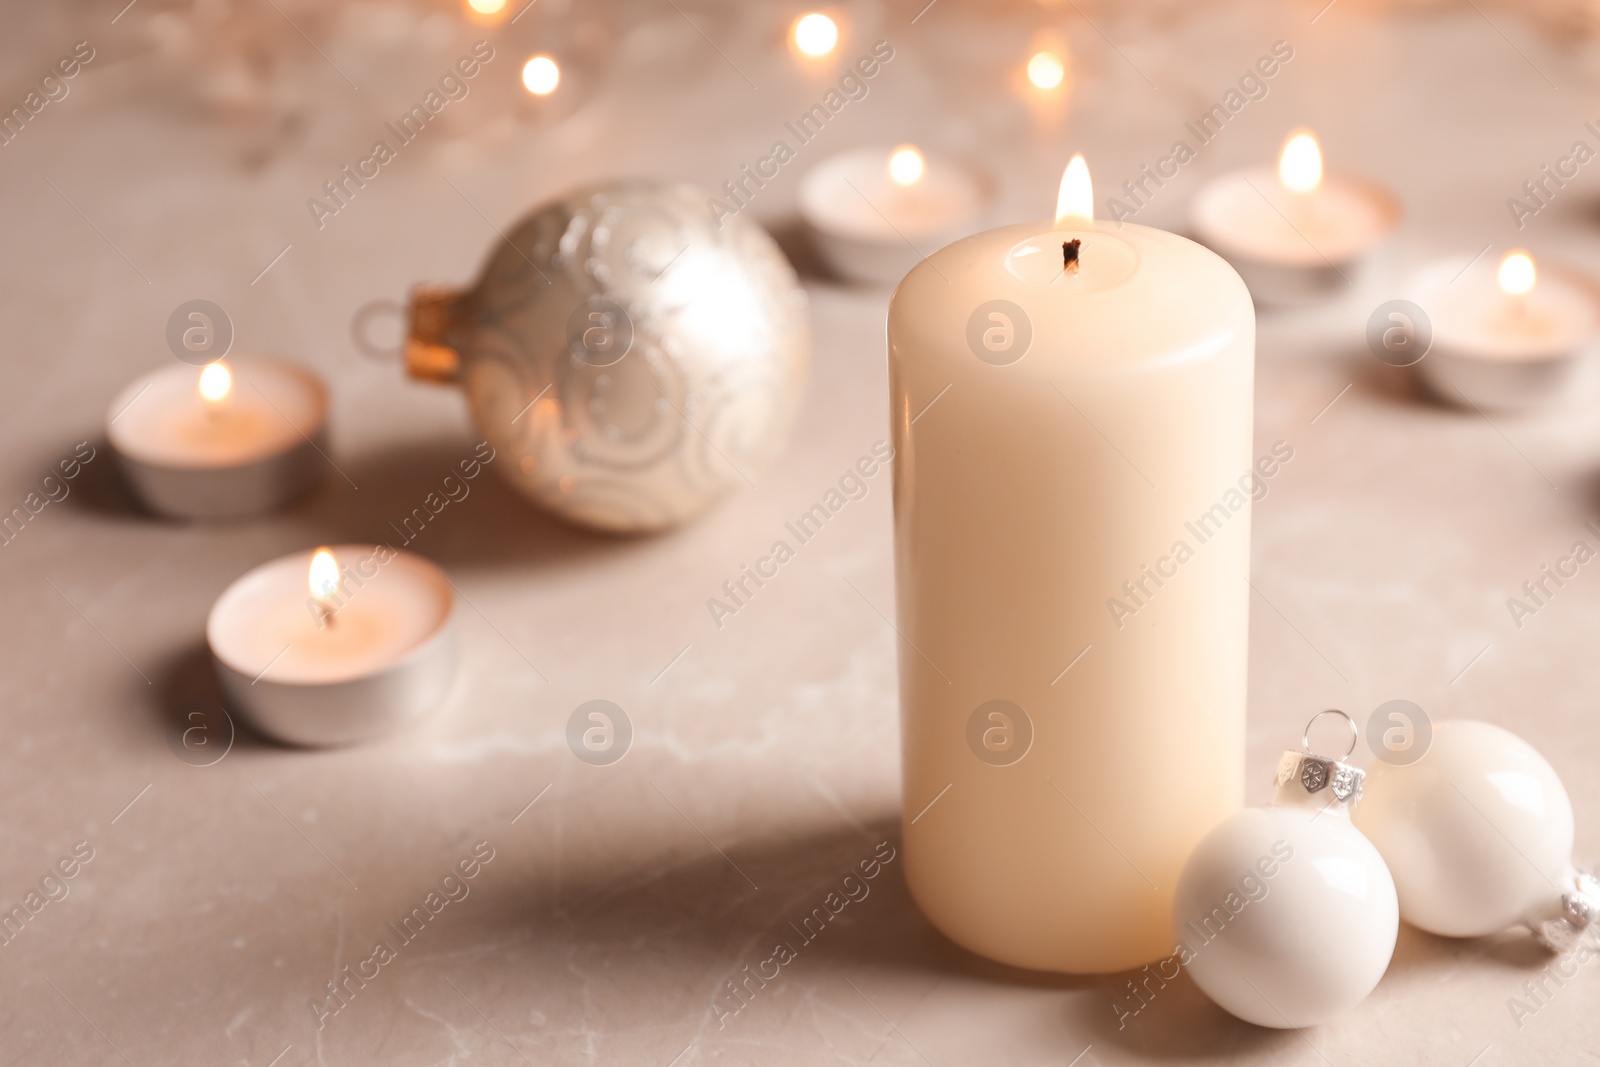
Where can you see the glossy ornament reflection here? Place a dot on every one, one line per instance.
(1478, 832)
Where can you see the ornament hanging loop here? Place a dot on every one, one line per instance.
(361, 329)
(1355, 731)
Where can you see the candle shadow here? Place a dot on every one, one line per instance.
(706, 916)
(806, 936)
(710, 910)
(794, 239)
(1172, 1019)
(1394, 386)
(1417, 950)
(399, 496)
(658, 931)
(1584, 212)
(189, 708)
(622, 911)
(99, 487)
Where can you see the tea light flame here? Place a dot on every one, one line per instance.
(815, 34)
(1516, 274)
(324, 577)
(487, 7)
(906, 165)
(216, 382)
(1075, 201)
(541, 75)
(1046, 70)
(1300, 163)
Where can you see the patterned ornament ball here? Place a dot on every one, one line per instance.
(630, 359)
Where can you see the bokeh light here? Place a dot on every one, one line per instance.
(216, 382)
(1300, 164)
(906, 165)
(1046, 70)
(1516, 273)
(541, 75)
(815, 34)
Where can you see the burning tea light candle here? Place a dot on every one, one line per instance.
(873, 213)
(1506, 335)
(1299, 233)
(338, 646)
(229, 439)
(1071, 409)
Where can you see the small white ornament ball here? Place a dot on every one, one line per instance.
(1286, 916)
(1478, 832)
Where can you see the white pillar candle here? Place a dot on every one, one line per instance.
(232, 438)
(335, 646)
(1507, 334)
(1072, 517)
(1297, 233)
(870, 210)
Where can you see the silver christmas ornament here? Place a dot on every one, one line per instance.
(632, 360)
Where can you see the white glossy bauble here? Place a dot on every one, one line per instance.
(1286, 916)
(1478, 832)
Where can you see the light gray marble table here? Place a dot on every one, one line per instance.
(220, 900)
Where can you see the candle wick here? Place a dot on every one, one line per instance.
(327, 615)
(1069, 255)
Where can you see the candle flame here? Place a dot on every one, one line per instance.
(324, 576)
(906, 165)
(1516, 274)
(1300, 163)
(815, 34)
(1075, 202)
(541, 75)
(216, 382)
(487, 7)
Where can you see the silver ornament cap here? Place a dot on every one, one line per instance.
(1580, 906)
(1306, 777)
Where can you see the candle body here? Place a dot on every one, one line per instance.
(1249, 215)
(864, 224)
(273, 407)
(1296, 247)
(1499, 352)
(1072, 555)
(385, 658)
(1472, 316)
(263, 446)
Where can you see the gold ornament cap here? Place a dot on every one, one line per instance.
(431, 322)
